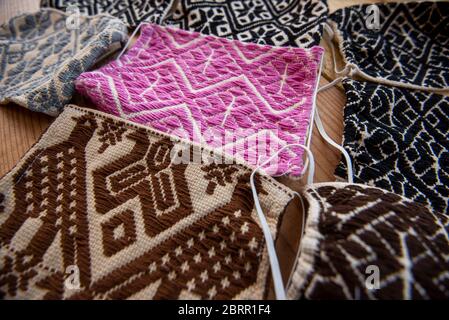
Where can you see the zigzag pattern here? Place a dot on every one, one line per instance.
(224, 93)
(297, 23)
(132, 12)
(398, 141)
(411, 47)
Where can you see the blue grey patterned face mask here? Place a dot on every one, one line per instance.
(44, 52)
(131, 12)
(408, 46)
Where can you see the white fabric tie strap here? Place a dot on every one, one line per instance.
(348, 70)
(274, 262)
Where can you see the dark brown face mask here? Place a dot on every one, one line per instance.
(97, 209)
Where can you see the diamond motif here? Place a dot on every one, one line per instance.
(119, 232)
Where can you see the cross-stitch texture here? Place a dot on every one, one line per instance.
(40, 58)
(104, 195)
(398, 140)
(410, 49)
(244, 99)
(352, 228)
(297, 23)
(131, 12)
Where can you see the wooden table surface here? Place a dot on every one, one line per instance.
(21, 128)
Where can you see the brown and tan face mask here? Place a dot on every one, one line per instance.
(97, 209)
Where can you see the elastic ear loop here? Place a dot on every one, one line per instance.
(329, 140)
(350, 180)
(347, 70)
(274, 263)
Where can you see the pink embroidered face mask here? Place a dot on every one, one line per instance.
(245, 99)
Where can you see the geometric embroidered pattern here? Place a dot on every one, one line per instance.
(133, 223)
(131, 12)
(410, 49)
(353, 229)
(398, 140)
(296, 23)
(245, 99)
(41, 58)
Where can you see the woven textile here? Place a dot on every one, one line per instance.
(353, 229)
(410, 49)
(245, 99)
(41, 58)
(297, 23)
(131, 12)
(398, 140)
(106, 196)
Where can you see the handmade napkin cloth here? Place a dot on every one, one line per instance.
(297, 23)
(101, 208)
(398, 140)
(410, 48)
(362, 242)
(41, 57)
(131, 12)
(245, 99)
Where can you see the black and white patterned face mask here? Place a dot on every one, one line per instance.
(398, 140)
(132, 12)
(297, 23)
(409, 49)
